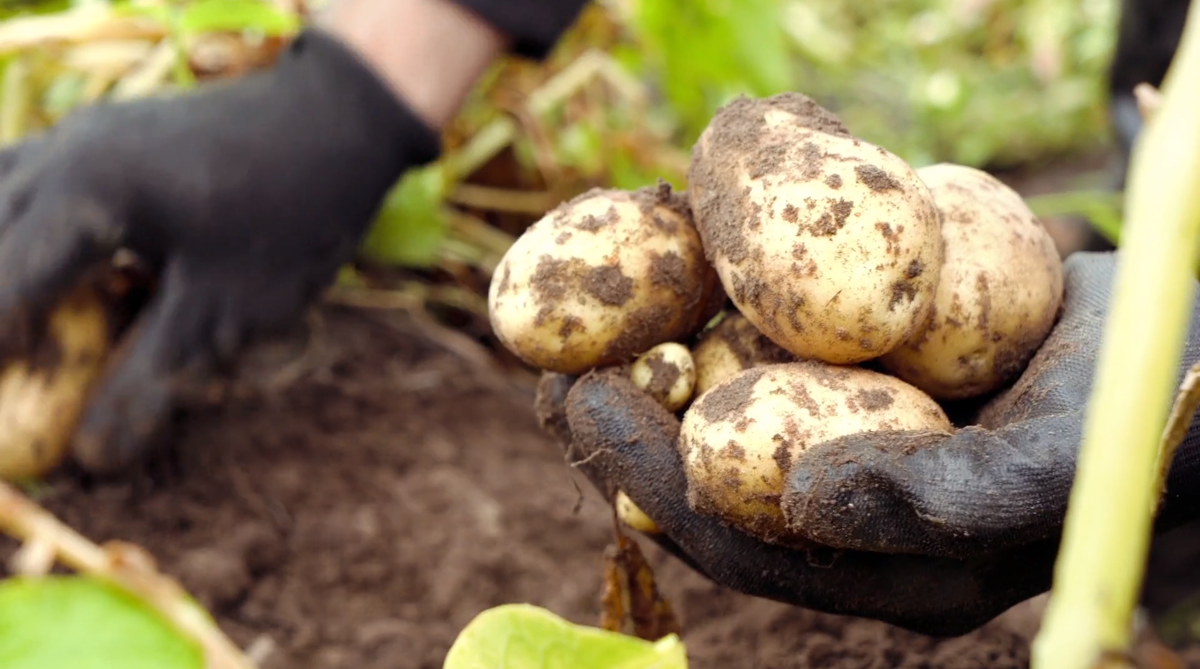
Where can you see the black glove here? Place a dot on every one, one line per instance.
(937, 539)
(245, 197)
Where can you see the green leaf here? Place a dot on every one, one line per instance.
(76, 622)
(237, 15)
(411, 224)
(522, 636)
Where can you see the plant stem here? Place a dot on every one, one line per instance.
(1186, 404)
(16, 104)
(1109, 519)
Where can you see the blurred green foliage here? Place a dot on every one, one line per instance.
(988, 83)
(979, 82)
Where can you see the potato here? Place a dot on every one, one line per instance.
(667, 373)
(631, 515)
(827, 244)
(41, 403)
(998, 296)
(602, 278)
(738, 441)
(732, 346)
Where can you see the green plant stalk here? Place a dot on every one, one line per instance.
(16, 104)
(1110, 512)
(176, 33)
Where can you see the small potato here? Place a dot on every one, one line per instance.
(732, 346)
(667, 373)
(999, 294)
(739, 440)
(41, 405)
(603, 277)
(828, 244)
(631, 515)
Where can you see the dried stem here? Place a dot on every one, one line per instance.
(1187, 401)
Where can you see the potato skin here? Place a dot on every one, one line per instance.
(999, 293)
(634, 517)
(40, 406)
(733, 345)
(667, 373)
(738, 441)
(828, 244)
(602, 278)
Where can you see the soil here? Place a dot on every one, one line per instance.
(398, 486)
(366, 514)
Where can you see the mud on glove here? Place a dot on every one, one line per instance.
(931, 532)
(244, 196)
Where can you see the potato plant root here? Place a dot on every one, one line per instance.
(358, 520)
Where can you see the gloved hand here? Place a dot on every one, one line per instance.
(244, 197)
(938, 538)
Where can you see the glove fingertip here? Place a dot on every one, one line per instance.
(605, 410)
(550, 405)
(125, 412)
(48, 247)
(158, 364)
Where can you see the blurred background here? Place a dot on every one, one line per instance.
(1017, 87)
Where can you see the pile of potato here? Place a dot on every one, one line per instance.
(807, 285)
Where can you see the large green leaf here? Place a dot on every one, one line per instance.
(76, 622)
(522, 636)
(411, 223)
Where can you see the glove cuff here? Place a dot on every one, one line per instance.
(533, 26)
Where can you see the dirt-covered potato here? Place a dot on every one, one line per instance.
(739, 440)
(667, 373)
(41, 401)
(999, 293)
(733, 345)
(631, 515)
(602, 278)
(828, 244)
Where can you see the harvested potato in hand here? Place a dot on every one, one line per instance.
(936, 531)
(602, 278)
(828, 244)
(1000, 289)
(739, 439)
(667, 373)
(732, 346)
(833, 252)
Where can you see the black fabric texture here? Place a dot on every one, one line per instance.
(534, 26)
(245, 196)
(938, 539)
(1003, 483)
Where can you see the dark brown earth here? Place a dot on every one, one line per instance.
(361, 517)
